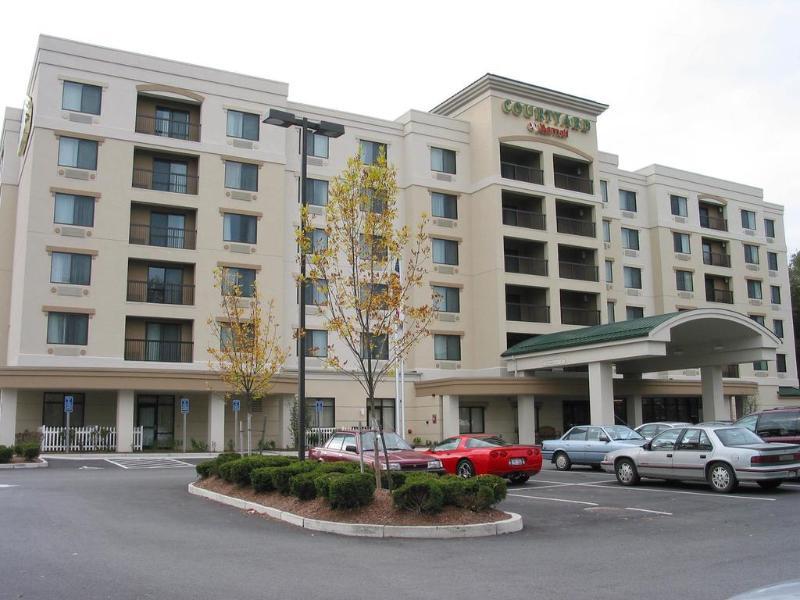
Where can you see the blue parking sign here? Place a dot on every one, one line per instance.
(69, 402)
(319, 406)
(184, 406)
(237, 404)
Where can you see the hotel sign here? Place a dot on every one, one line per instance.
(546, 121)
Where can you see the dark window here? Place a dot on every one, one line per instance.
(678, 206)
(780, 361)
(445, 252)
(750, 254)
(685, 410)
(633, 277)
(239, 228)
(471, 419)
(385, 410)
(769, 228)
(634, 312)
(447, 347)
(779, 424)
(81, 97)
(748, 219)
(777, 328)
(758, 319)
(318, 240)
(680, 243)
(238, 281)
(754, 289)
(171, 176)
(446, 299)
(80, 154)
(444, 205)
(375, 346)
(53, 414)
(760, 365)
(630, 238)
(318, 145)
(684, 281)
(315, 344)
(627, 200)
(370, 151)
(67, 328)
(316, 291)
(324, 418)
(74, 210)
(443, 161)
(772, 261)
(316, 192)
(70, 268)
(775, 293)
(241, 176)
(243, 125)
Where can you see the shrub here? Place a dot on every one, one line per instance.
(198, 445)
(419, 496)
(350, 490)
(398, 478)
(238, 471)
(498, 485)
(281, 477)
(322, 483)
(338, 467)
(6, 453)
(204, 468)
(452, 488)
(19, 449)
(31, 451)
(482, 492)
(303, 485)
(211, 467)
(261, 479)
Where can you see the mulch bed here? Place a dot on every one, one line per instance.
(21, 459)
(380, 512)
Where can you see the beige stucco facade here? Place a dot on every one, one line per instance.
(529, 232)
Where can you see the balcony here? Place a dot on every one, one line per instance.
(158, 350)
(168, 117)
(155, 293)
(520, 164)
(164, 172)
(570, 174)
(577, 263)
(523, 256)
(718, 295)
(712, 217)
(578, 308)
(527, 304)
(158, 340)
(165, 237)
(168, 127)
(716, 259)
(521, 210)
(575, 219)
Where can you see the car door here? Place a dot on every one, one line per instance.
(448, 453)
(657, 461)
(574, 443)
(596, 445)
(691, 455)
(348, 446)
(332, 449)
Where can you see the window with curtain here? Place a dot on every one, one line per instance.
(758, 319)
(748, 219)
(81, 97)
(243, 125)
(607, 231)
(750, 254)
(445, 252)
(610, 310)
(444, 205)
(375, 346)
(245, 279)
(604, 190)
(241, 176)
(239, 228)
(318, 241)
(77, 153)
(67, 328)
(769, 227)
(634, 312)
(315, 343)
(772, 261)
(684, 281)
(447, 347)
(627, 200)
(370, 151)
(74, 210)
(754, 289)
(678, 206)
(609, 271)
(443, 160)
(446, 299)
(66, 267)
(630, 238)
(318, 145)
(316, 192)
(680, 243)
(633, 277)
(777, 328)
(760, 365)
(775, 294)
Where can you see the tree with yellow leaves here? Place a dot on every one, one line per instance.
(249, 353)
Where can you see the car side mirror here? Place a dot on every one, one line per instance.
(351, 449)
(647, 445)
(604, 438)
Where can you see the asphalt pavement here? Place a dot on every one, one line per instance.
(93, 529)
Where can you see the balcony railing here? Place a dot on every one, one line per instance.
(716, 259)
(163, 293)
(577, 184)
(525, 265)
(579, 316)
(530, 313)
(521, 173)
(572, 270)
(730, 371)
(575, 227)
(168, 128)
(165, 182)
(715, 295)
(524, 218)
(158, 350)
(166, 237)
(710, 222)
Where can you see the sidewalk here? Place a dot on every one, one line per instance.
(178, 455)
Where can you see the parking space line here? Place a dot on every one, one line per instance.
(641, 489)
(646, 510)
(547, 487)
(555, 499)
(121, 466)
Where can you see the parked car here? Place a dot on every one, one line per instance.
(717, 422)
(353, 445)
(473, 454)
(650, 430)
(588, 444)
(774, 424)
(786, 590)
(722, 455)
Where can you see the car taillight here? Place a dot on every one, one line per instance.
(771, 459)
(530, 451)
(498, 453)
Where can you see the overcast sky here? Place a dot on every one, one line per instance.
(710, 87)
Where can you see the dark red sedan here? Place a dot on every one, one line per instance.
(351, 445)
(473, 454)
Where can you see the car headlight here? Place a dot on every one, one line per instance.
(434, 464)
(394, 466)
(605, 458)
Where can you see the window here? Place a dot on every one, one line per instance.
(695, 439)
(323, 418)
(241, 176)
(171, 122)
(243, 125)
(769, 228)
(577, 434)
(71, 268)
(678, 206)
(447, 347)
(680, 243)
(238, 281)
(634, 312)
(754, 289)
(172, 176)
(748, 219)
(750, 254)
(780, 363)
(74, 210)
(610, 312)
(758, 319)
(375, 346)
(760, 365)
(446, 299)
(775, 294)
(445, 252)
(239, 228)
(317, 192)
(81, 97)
(633, 277)
(627, 200)
(443, 161)
(630, 239)
(772, 261)
(470, 419)
(370, 151)
(782, 423)
(80, 154)
(318, 240)
(316, 291)
(67, 328)
(666, 440)
(53, 414)
(604, 190)
(683, 281)
(315, 343)
(318, 145)
(607, 231)
(378, 250)
(444, 205)
(777, 328)
(609, 271)
(384, 407)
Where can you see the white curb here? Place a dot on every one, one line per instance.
(37, 465)
(510, 525)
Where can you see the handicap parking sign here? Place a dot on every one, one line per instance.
(237, 404)
(319, 406)
(185, 406)
(69, 402)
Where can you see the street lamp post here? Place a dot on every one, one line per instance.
(282, 118)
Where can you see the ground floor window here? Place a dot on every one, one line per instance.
(53, 414)
(671, 409)
(471, 419)
(320, 418)
(155, 414)
(576, 412)
(385, 413)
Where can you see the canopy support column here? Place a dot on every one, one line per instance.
(601, 393)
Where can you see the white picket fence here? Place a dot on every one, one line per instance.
(86, 439)
(317, 436)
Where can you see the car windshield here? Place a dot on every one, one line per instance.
(737, 436)
(619, 432)
(486, 442)
(392, 441)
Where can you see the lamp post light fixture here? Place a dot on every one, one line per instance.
(281, 118)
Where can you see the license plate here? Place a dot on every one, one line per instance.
(516, 462)
(786, 457)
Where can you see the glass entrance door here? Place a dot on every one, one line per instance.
(156, 416)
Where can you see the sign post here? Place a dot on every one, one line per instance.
(184, 412)
(237, 406)
(69, 404)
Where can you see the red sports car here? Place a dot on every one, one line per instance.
(468, 455)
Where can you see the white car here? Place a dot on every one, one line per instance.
(650, 430)
(722, 455)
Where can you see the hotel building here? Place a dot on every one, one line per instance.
(128, 179)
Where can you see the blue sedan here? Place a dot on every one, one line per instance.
(587, 445)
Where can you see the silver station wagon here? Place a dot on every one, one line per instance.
(722, 455)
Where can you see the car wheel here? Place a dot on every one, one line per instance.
(465, 469)
(722, 478)
(770, 485)
(626, 472)
(518, 478)
(563, 463)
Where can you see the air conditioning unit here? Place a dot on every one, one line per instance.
(316, 210)
(683, 257)
(628, 214)
(242, 144)
(631, 253)
(680, 219)
(443, 177)
(445, 222)
(752, 267)
(631, 292)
